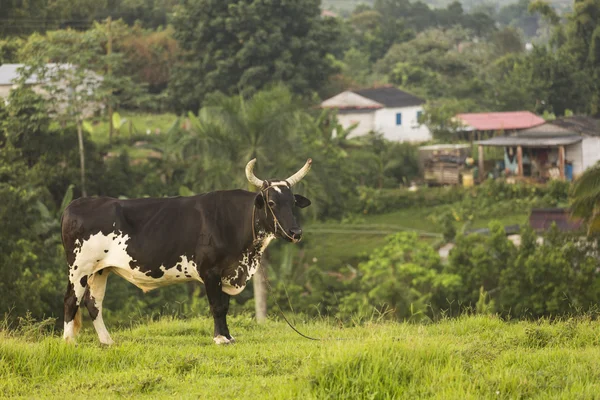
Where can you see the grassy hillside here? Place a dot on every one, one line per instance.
(469, 358)
(335, 244)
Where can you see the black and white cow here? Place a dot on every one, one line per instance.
(216, 238)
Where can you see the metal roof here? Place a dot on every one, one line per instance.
(546, 130)
(504, 141)
(373, 98)
(495, 121)
(445, 147)
(390, 96)
(580, 124)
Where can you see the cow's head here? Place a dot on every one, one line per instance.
(275, 202)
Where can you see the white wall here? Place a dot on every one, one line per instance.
(574, 154)
(5, 90)
(408, 131)
(365, 122)
(591, 151)
(384, 121)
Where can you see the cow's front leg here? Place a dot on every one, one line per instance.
(219, 306)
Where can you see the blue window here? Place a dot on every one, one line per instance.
(398, 118)
(419, 114)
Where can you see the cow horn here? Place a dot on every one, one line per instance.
(297, 177)
(250, 175)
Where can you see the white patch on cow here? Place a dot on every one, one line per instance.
(69, 333)
(103, 334)
(279, 183)
(188, 272)
(220, 339)
(95, 253)
(275, 188)
(110, 251)
(248, 265)
(97, 285)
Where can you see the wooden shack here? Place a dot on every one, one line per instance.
(443, 164)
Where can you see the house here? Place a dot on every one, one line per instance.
(386, 110)
(477, 126)
(9, 76)
(563, 148)
(541, 219)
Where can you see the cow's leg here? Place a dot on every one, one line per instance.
(93, 301)
(72, 313)
(75, 291)
(219, 306)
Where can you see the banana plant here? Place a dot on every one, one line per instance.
(49, 222)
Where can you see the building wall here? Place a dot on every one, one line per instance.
(574, 154)
(365, 122)
(408, 131)
(5, 90)
(591, 151)
(384, 121)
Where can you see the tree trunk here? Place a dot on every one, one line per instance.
(260, 293)
(81, 156)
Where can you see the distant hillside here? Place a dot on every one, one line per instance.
(346, 6)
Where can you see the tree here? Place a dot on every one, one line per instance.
(585, 198)
(240, 46)
(229, 132)
(63, 63)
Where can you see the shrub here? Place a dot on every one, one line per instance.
(403, 278)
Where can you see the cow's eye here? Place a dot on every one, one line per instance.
(271, 203)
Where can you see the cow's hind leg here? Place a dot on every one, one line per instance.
(93, 301)
(219, 306)
(72, 313)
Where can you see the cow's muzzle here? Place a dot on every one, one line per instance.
(296, 234)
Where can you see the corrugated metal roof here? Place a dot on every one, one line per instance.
(580, 124)
(503, 141)
(372, 98)
(547, 130)
(496, 121)
(445, 147)
(541, 219)
(390, 96)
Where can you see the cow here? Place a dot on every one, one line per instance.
(216, 238)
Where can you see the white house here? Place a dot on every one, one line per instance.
(10, 74)
(386, 110)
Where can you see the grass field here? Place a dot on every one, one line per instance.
(337, 244)
(469, 358)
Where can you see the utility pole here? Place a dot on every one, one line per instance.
(109, 73)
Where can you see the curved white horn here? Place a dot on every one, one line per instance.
(250, 175)
(297, 177)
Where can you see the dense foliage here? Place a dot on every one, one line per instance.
(244, 77)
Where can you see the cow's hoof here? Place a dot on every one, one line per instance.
(220, 339)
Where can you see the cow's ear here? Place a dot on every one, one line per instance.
(301, 201)
(259, 201)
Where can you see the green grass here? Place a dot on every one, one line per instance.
(335, 244)
(468, 358)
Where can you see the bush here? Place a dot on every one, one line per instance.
(403, 279)
(490, 195)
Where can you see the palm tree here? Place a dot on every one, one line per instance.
(585, 198)
(230, 131)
